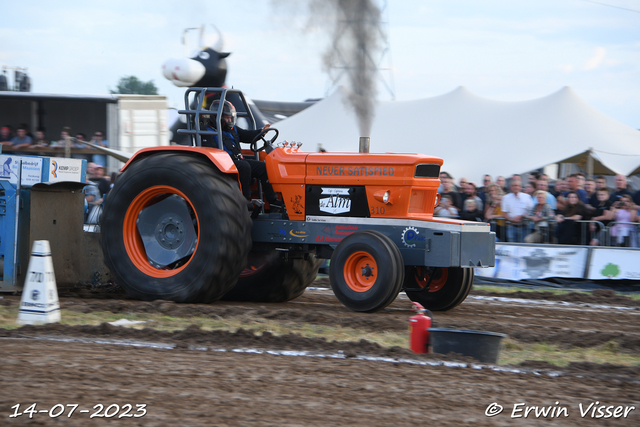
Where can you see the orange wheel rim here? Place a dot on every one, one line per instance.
(360, 271)
(133, 242)
(439, 280)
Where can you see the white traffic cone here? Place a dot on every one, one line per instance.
(39, 302)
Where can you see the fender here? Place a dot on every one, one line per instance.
(218, 158)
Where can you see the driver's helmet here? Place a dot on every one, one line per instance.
(228, 110)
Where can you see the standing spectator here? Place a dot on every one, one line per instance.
(470, 193)
(542, 184)
(27, 127)
(65, 138)
(559, 187)
(449, 190)
(567, 230)
(21, 139)
(98, 139)
(502, 182)
(540, 214)
(530, 188)
(601, 213)
(79, 140)
(493, 212)
(92, 202)
(590, 188)
(624, 212)
(621, 188)
(581, 180)
(41, 139)
(483, 192)
(515, 206)
(445, 208)
(96, 175)
(486, 181)
(443, 176)
(573, 184)
(471, 211)
(601, 182)
(462, 192)
(463, 183)
(5, 135)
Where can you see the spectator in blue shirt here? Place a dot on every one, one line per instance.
(21, 139)
(573, 182)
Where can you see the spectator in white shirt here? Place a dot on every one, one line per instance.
(515, 207)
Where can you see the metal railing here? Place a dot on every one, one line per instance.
(582, 232)
(624, 234)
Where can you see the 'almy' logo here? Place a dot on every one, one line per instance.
(335, 203)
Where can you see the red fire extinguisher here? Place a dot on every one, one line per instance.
(419, 329)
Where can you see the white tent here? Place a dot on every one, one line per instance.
(475, 135)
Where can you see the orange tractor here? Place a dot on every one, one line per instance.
(176, 226)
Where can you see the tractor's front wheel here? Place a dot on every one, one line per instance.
(366, 271)
(175, 228)
(448, 287)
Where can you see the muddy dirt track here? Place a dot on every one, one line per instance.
(215, 378)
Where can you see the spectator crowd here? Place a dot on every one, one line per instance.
(574, 210)
(22, 139)
(98, 184)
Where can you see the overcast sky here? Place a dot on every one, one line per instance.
(508, 50)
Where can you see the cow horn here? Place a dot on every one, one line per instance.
(219, 43)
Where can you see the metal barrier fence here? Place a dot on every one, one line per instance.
(624, 234)
(583, 232)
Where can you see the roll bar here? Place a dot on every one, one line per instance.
(195, 101)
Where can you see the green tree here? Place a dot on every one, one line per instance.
(132, 85)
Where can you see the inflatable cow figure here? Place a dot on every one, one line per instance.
(205, 67)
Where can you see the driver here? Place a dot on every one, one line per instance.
(232, 135)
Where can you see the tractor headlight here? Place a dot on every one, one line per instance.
(383, 196)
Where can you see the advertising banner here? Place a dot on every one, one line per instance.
(536, 262)
(614, 263)
(31, 169)
(61, 169)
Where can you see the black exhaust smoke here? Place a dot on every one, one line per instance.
(356, 39)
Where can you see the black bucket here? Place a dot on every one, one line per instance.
(481, 345)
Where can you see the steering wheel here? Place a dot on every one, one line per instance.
(261, 136)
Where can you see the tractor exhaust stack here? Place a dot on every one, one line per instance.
(364, 144)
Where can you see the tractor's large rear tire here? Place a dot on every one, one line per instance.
(269, 277)
(175, 228)
(366, 271)
(448, 289)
